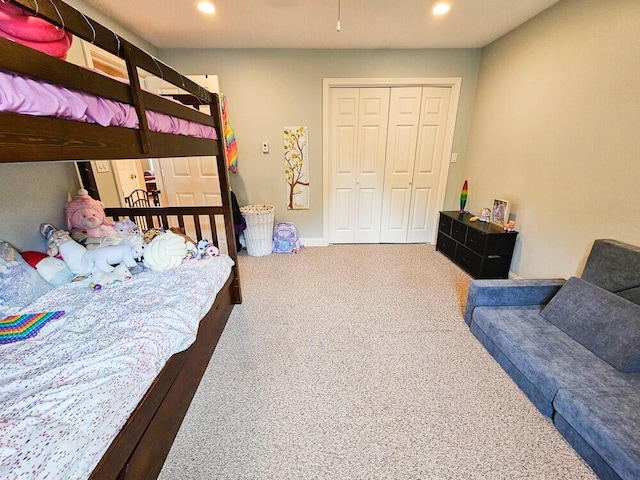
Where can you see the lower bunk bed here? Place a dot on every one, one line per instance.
(101, 390)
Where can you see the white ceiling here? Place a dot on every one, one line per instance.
(312, 23)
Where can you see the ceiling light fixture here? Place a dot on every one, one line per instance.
(441, 8)
(206, 7)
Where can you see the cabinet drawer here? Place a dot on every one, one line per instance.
(459, 232)
(445, 224)
(495, 267)
(500, 244)
(446, 245)
(476, 241)
(468, 260)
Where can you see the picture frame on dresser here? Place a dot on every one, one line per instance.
(499, 211)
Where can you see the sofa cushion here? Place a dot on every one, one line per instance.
(598, 464)
(540, 396)
(505, 292)
(607, 420)
(614, 266)
(547, 358)
(603, 322)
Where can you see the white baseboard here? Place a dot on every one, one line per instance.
(305, 242)
(314, 242)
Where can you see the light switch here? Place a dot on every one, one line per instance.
(265, 147)
(102, 166)
(454, 157)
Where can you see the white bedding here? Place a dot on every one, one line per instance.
(67, 392)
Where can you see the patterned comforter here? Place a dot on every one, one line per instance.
(67, 392)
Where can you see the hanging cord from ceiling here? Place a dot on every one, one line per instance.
(338, 24)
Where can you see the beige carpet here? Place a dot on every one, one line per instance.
(353, 362)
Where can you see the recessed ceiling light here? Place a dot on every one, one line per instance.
(441, 8)
(206, 7)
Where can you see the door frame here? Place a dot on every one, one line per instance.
(328, 83)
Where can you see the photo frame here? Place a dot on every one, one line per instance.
(500, 211)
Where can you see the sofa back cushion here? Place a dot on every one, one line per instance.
(614, 266)
(601, 321)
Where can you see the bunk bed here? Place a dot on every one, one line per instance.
(140, 447)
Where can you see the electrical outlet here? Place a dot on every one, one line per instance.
(265, 147)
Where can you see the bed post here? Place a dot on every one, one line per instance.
(136, 92)
(225, 190)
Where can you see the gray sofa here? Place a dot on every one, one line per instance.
(574, 348)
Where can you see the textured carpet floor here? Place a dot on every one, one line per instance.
(353, 362)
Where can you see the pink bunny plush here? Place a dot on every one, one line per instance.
(86, 214)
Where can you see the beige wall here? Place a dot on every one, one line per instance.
(270, 89)
(31, 194)
(555, 130)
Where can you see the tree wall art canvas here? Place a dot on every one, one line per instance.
(296, 166)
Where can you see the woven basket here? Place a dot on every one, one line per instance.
(259, 232)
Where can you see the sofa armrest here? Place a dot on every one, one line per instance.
(510, 293)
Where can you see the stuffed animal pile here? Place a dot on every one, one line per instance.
(109, 253)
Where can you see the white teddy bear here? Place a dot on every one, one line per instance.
(84, 262)
(104, 258)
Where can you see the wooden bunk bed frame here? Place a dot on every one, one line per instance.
(141, 447)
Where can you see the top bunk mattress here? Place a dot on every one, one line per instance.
(67, 392)
(31, 97)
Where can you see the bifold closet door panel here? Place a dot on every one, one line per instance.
(417, 127)
(359, 119)
(404, 118)
(434, 113)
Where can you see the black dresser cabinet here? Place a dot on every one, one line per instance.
(483, 249)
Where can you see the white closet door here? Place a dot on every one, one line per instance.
(428, 162)
(359, 120)
(404, 118)
(344, 143)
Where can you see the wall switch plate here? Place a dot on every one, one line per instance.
(265, 147)
(454, 157)
(102, 166)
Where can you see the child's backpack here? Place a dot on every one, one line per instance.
(285, 238)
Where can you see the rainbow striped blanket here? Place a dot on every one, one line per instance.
(21, 327)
